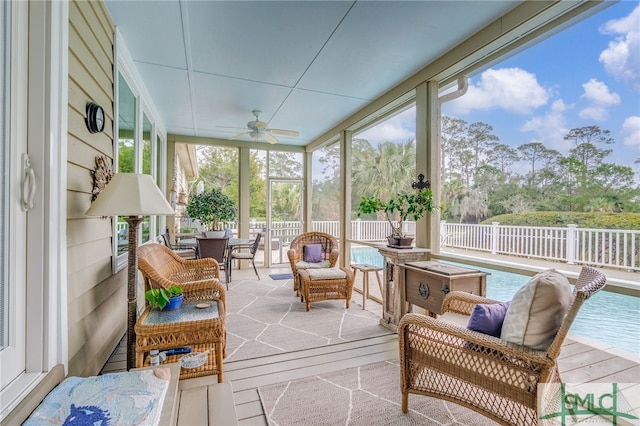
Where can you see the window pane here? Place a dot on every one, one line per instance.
(383, 165)
(325, 196)
(145, 227)
(285, 164)
(146, 145)
(126, 148)
(258, 190)
(218, 168)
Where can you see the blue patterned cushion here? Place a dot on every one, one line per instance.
(130, 398)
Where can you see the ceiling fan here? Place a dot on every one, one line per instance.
(259, 130)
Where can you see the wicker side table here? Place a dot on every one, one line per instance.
(200, 329)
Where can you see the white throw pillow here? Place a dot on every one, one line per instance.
(537, 310)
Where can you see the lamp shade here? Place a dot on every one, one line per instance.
(130, 194)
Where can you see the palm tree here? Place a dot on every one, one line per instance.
(384, 172)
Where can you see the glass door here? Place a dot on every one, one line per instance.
(17, 182)
(284, 218)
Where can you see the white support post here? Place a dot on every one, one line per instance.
(571, 243)
(494, 237)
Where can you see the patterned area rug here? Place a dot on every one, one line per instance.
(367, 395)
(266, 318)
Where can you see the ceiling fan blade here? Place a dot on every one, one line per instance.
(261, 125)
(283, 132)
(237, 136)
(270, 138)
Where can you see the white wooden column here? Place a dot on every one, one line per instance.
(244, 196)
(306, 192)
(428, 159)
(345, 196)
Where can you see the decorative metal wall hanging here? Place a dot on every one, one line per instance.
(101, 175)
(421, 183)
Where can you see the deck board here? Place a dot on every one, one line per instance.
(192, 408)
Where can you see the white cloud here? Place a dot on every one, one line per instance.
(598, 93)
(398, 129)
(596, 113)
(512, 89)
(621, 58)
(599, 97)
(631, 131)
(550, 128)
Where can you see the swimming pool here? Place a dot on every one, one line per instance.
(607, 317)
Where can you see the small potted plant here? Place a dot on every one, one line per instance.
(211, 208)
(404, 206)
(166, 299)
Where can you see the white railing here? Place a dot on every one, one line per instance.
(573, 245)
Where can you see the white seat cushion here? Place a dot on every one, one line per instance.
(537, 310)
(454, 318)
(326, 274)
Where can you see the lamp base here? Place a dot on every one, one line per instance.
(132, 297)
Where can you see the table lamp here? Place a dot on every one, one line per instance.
(133, 195)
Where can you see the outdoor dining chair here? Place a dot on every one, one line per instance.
(238, 253)
(215, 248)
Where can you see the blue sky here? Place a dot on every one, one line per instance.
(588, 74)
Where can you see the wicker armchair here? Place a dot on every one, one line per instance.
(491, 376)
(199, 278)
(330, 252)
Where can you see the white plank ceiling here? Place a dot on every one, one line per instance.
(306, 64)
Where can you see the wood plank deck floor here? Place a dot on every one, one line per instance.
(581, 361)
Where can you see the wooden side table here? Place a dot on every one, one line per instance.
(200, 329)
(392, 306)
(425, 284)
(365, 268)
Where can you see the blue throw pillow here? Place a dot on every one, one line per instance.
(488, 318)
(312, 253)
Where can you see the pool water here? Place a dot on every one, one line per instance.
(607, 317)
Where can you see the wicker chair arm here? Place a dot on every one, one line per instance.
(466, 349)
(293, 256)
(461, 302)
(333, 257)
(207, 290)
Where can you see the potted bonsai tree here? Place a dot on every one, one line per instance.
(404, 206)
(211, 208)
(166, 299)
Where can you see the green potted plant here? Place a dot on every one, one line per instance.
(166, 299)
(211, 208)
(404, 206)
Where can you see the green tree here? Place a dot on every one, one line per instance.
(481, 139)
(502, 156)
(385, 171)
(452, 135)
(584, 140)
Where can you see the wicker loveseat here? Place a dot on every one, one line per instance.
(330, 253)
(496, 378)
